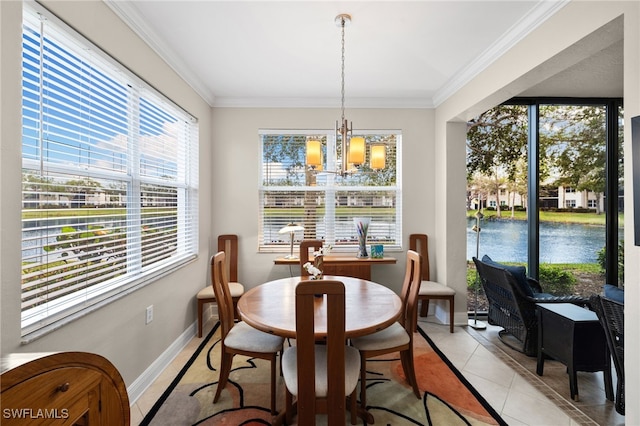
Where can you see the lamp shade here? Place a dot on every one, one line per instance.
(291, 227)
(356, 150)
(378, 157)
(314, 153)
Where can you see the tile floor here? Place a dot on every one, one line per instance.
(502, 384)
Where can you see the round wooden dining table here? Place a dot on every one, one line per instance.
(271, 307)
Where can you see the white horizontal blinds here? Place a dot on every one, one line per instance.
(285, 184)
(109, 189)
(162, 157)
(378, 204)
(325, 203)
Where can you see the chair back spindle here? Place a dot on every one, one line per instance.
(305, 245)
(419, 243)
(306, 306)
(228, 243)
(220, 284)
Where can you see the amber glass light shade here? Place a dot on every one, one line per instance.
(356, 150)
(378, 157)
(314, 153)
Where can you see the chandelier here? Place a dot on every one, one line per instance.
(353, 147)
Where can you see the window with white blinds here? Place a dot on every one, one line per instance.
(109, 176)
(325, 203)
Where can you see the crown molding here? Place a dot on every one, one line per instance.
(539, 14)
(238, 102)
(130, 15)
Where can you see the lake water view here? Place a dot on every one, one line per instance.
(506, 240)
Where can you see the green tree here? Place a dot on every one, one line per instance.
(497, 138)
(574, 143)
(288, 152)
(496, 145)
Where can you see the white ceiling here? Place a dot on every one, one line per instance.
(398, 53)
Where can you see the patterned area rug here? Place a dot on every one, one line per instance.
(447, 397)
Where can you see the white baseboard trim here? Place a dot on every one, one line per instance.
(145, 380)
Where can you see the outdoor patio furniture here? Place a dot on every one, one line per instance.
(573, 336)
(512, 303)
(611, 316)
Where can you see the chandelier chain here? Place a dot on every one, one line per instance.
(342, 90)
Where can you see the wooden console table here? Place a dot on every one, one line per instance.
(348, 266)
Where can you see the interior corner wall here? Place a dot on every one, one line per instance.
(236, 162)
(631, 251)
(547, 50)
(451, 224)
(116, 331)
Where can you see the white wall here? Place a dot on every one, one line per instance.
(117, 331)
(556, 45)
(632, 252)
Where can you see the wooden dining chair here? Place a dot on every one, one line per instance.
(398, 337)
(336, 365)
(227, 243)
(430, 289)
(305, 245)
(239, 338)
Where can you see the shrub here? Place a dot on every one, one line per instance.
(556, 280)
(553, 279)
(602, 260)
(471, 277)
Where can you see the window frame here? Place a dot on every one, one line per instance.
(612, 207)
(331, 228)
(166, 184)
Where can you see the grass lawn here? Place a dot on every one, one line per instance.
(547, 216)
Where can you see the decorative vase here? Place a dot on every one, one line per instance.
(318, 262)
(362, 226)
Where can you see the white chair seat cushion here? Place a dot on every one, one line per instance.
(351, 375)
(393, 336)
(432, 288)
(236, 290)
(244, 337)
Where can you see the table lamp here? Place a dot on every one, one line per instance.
(291, 228)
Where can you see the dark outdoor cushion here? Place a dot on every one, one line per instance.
(518, 272)
(614, 293)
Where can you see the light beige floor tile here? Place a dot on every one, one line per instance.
(490, 369)
(136, 415)
(521, 385)
(495, 394)
(532, 411)
(513, 422)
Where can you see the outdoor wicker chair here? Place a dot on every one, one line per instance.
(512, 303)
(611, 316)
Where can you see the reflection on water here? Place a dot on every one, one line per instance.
(506, 240)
